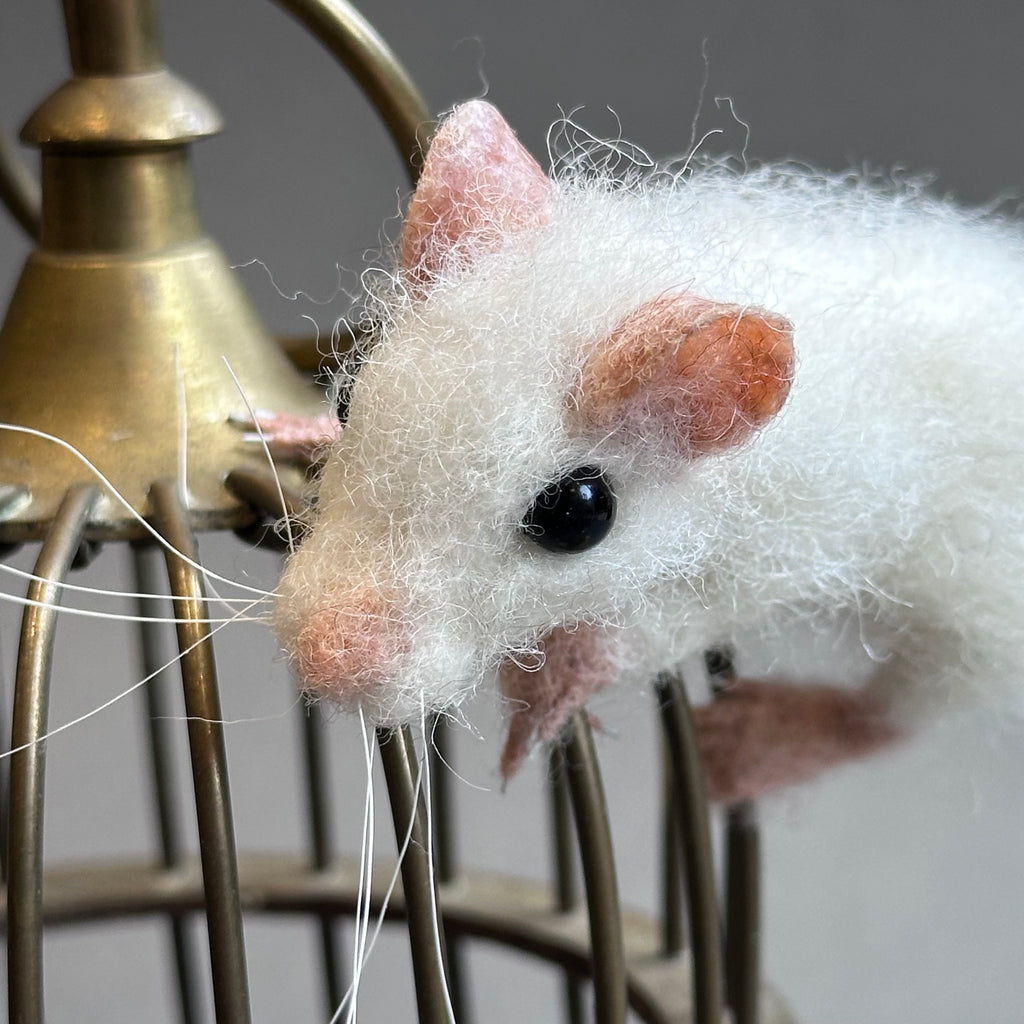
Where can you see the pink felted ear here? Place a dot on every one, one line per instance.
(700, 374)
(478, 184)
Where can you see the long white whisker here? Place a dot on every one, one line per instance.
(389, 892)
(102, 592)
(61, 443)
(365, 877)
(427, 801)
(93, 613)
(461, 778)
(120, 696)
(227, 602)
(250, 720)
(266, 449)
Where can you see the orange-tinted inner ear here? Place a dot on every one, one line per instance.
(701, 374)
(478, 184)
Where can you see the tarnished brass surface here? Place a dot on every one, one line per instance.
(597, 859)
(513, 912)
(424, 921)
(141, 204)
(113, 36)
(93, 352)
(139, 109)
(126, 318)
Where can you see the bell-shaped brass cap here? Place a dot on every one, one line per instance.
(126, 319)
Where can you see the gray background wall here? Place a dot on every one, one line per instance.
(893, 889)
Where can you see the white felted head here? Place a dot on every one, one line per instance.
(492, 381)
(570, 439)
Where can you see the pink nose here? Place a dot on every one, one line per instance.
(347, 650)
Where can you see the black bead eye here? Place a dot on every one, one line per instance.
(345, 382)
(365, 335)
(573, 513)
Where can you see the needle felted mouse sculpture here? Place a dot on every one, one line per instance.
(602, 426)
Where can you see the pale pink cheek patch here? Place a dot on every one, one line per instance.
(702, 374)
(577, 664)
(347, 650)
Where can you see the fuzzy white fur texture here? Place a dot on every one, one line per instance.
(886, 498)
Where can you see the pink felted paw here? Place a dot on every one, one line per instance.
(758, 737)
(289, 438)
(576, 665)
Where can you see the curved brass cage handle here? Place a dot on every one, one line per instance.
(19, 190)
(343, 31)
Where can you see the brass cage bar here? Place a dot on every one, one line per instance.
(28, 762)
(563, 857)
(743, 912)
(322, 846)
(163, 775)
(698, 866)
(349, 37)
(209, 759)
(440, 750)
(398, 755)
(593, 833)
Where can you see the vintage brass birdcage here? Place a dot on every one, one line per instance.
(122, 311)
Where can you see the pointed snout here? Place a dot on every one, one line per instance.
(345, 651)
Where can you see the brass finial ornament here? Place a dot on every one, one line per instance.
(126, 318)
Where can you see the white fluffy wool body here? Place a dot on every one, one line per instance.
(885, 497)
